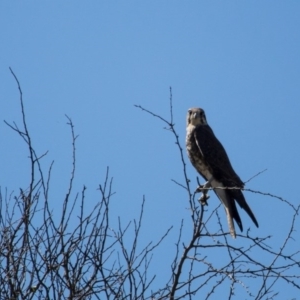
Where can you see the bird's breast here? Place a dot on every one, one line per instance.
(196, 157)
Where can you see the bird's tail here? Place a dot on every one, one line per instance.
(230, 209)
(230, 221)
(228, 197)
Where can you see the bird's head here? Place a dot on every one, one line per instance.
(196, 116)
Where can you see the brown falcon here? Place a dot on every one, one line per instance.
(209, 158)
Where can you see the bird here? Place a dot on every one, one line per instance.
(210, 159)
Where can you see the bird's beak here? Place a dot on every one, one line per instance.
(194, 115)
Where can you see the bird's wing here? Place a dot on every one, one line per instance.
(216, 157)
(240, 199)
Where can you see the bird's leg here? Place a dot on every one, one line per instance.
(204, 190)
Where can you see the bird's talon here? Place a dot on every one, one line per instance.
(203, 199)
(199, 189)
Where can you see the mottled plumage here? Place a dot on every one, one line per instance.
(209, 158)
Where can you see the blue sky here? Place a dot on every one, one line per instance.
(238, 60)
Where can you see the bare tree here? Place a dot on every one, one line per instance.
(43, 257)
